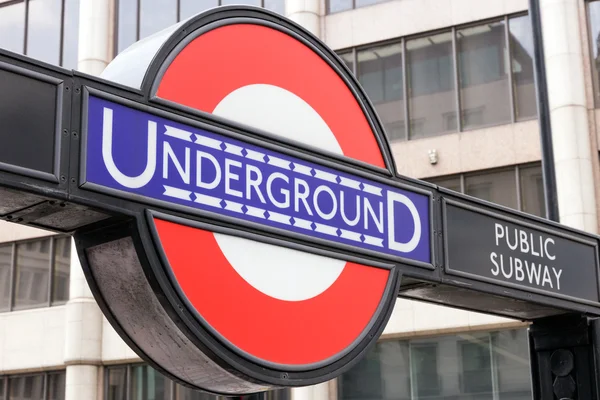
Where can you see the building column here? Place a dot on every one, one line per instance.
(83, 347)
(571, 136)
(306, 13)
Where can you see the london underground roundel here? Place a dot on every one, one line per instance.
(264, 254)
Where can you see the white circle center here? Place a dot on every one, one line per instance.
(279, 272)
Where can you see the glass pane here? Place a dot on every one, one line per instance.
(348, 59)
(452, 183)
(334, 6)
(190, 8)
(246, 2)
(380, 74)
(184, 393)
(424, 366)
(364, 379)
(43, 30)
(2, 389)
(482, 60)
(156, 15)
(5, 281)
(363, 3)
(521, 43)
(594, 27)
(12, 27)
(71, 34)
(532, 191)
(62, 269)
(115, 386)
(497, 187)
(32, 273)
(127, 24)
(432, 99)
(511, 358)
(26, 387)
(476, 368)
(56, 386)
(148, 384)
(276, 5)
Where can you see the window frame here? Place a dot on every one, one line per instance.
(51, 268)
(45, 376)
(458, 111)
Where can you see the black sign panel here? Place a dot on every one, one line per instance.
(486, 246)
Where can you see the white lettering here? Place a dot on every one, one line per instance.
(207, 185)
(168, 153)
(550, 257)
(493, 257)
(343, 212)
(229, 176)
(557, 275)
(286, 193)
(533, 272)
(499, 232)
(326, 189)
(508, 240)
(254, 183)
(368, 210)
(301, 196)
(508, 274)
(524, 242)
(519, 274)
(546, 277)
(412, 244)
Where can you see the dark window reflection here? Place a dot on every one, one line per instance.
(12, 27)
(483, 76)
(156, 15)
(2, 389)
(532, 191)
(147, 384)
(62, 270)
(521, 43)
(432, 99)
(5, 276)
(379, 71)
(498, 187)
(70, 34)
(468, 366)
(32, 273)
(56, 386)
(26, 387)
(452, 183)
(594, 28)
(116, 386)
(348, 59)
(43, 30)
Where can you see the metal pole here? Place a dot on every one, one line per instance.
(543, 108)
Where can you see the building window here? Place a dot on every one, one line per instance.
(520, 187)
(46, 386)
(34, 273)
(334, 6)
(46, 30)
(142, 382)
(477, 365)
(490, 64)
(137, 19)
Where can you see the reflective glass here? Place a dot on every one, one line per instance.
(379, 71)
(56, 386)
(2, 388)
(148, 384)
(498, 187)
(126, 24)
(452, 183)
(71, 34)
(116, 383)
(43, 30)
(12, 27)
(62, 270)
(510, 354)
(188, 8)
(431, 94)
(184, 393)
(245, 2)
(26, 387)
(156, 15)
(594, 29)
(363, 3)
(334, 6)
(32, 271)
(532, 191)
(275, 5)
(483, 72)
(521, 47)
(5, 279)
(348, 59)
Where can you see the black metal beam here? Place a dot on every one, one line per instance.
(543, 107)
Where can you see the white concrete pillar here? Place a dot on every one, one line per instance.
(83, 337)
(316, 392)
(306, 13)
(570, 125)
(95, 35)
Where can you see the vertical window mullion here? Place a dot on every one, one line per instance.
(456, 80)
(518, 181)
(52, 251)
(513, 113)
(128, 380)
(45, 386)
(405, 91)
(178, 10)
(138, 17)
(62, 33)
(13, 277)
(26, 27)
(493, 369)
(462, 183)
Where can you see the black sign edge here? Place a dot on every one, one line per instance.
(527, 224)
(387, 300)
(59, 86)
(389, 181)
